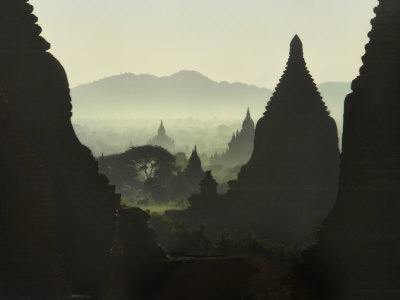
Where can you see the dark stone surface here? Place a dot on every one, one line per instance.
(290, 182)
(291, 178)
(37, 89)
(205, 278)
(193, 172)
(29, 263)
(359, 246)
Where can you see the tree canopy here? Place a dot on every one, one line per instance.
(148, 158)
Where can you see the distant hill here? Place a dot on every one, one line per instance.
(110, 113)
(181, 95)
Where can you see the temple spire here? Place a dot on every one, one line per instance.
(248, 116)
(193, 171)
(297, 83)
(162, 139)
(296, 47)
(161, 129)
(285, 155)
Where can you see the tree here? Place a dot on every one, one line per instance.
(148, 158)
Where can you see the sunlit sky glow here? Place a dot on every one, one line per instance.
(226, 40)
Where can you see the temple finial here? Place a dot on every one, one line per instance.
(248, 113)
(161, 129)
(296, 47)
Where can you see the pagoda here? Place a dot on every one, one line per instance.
(208, 186)
(162, 139)
(37, 89)
(359, 249)
(206, 207)
(194, 172)
(240, 147)
(208, 193)
(29, 263)
(290, 180)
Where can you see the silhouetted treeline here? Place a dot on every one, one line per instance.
(150, 175)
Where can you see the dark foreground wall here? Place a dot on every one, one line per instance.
(358, 256)
(38, 92)
(29, 262)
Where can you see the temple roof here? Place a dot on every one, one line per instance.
(208, 184)
(296, 47)
(248, 122)
(382, 58)
(296, 93)
(161, 129)
(194, 160)
(22, 34)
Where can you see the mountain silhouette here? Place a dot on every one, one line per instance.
(183, 94)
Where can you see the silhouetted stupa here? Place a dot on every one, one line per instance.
(208, 186)
(291, 178)
(29, 263)
(358, 256)
(162, 139)
(37, 89)
(208, 193)
(240, 147)
(194, 172)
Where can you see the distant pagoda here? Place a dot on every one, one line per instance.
(291, 178)
(162, 139)
(358, 256)
(29, 263)
(240, 147)
(193, 173)
(208, 186)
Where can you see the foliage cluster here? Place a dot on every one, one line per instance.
(147, 175)
(175, 237)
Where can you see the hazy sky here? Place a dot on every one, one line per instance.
(232, 40)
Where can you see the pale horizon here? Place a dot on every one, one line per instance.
(233, 41)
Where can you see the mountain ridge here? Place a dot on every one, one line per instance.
(110, 112)
(186, 93)
(176, 74)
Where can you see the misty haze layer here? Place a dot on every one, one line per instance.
(114, 113)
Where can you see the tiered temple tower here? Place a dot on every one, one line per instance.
(194, 172)
(37, 89)
(208, 186)
(208, 193)
(291, 178)
(29, 263)
(162, 139)
(358, 256)
(240, 147)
